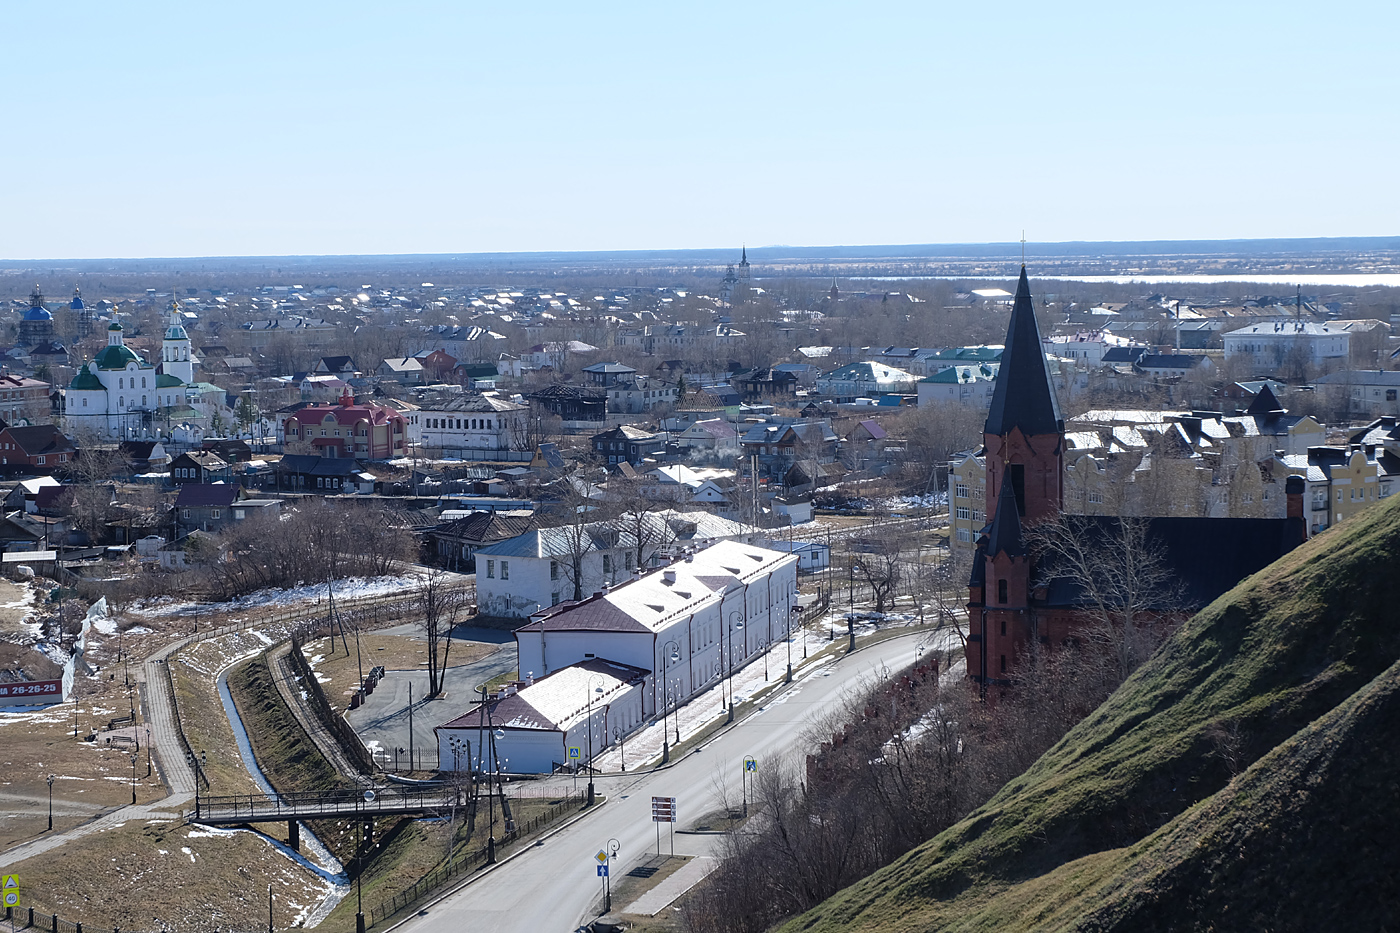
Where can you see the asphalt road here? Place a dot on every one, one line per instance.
(384, 715)
(555, 887)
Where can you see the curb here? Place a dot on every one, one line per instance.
(779, 689)
(488, 870)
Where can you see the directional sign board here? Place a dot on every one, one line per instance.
(573, 753)
(9, 891)
(602, 871)
(663, 809)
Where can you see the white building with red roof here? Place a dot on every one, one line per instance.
(348, 429)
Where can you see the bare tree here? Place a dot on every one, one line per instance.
(440, 607)
(1125, 585)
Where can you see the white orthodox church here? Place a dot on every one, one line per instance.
(117, 393)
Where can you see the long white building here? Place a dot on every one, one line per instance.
(688, 624)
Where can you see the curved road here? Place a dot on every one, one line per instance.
(555, 887)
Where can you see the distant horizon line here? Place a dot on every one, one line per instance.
(1056, 249)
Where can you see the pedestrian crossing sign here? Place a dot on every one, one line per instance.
(750, 764)
(573, 752)
(9, 891)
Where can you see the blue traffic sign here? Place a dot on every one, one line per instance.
(602, 871)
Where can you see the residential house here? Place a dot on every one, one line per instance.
(199, 466)
(573, 404)
(456, 541)
(765, 383)
(1171, 366)
(342, 366)
(348, 430)
(626, 444)
(205, 506)
(966, 385)
(713, 435)
(782, 444)
(812, 556)
(323, 475)
(866, 379)
(606, 375)
(40, 448)
(473, 427)
(405, 371)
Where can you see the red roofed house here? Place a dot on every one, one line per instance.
(40, 448)
(349, 429)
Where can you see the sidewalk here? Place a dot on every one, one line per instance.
(644, 747)
(664, 894)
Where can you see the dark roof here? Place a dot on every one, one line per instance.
(1023, 397)
(593, 614)
(206, 495)
(1170, 361)
(206, 459)
(1264, 403)
(1207, 556)
(39, 439)
(1005, 531)
(317, 466)
(1123, 354)
(486, 526)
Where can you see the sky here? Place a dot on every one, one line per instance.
(194, 129)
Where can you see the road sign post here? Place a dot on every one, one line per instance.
(750, 767)
(663, 810)
(9, 892)
(573, 763)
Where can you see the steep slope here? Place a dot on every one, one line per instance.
(1270, 669)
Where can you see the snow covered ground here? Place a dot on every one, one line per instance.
(351, 588)
(644, 746)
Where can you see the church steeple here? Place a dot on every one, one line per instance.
(1023, 396)
(1004, 535)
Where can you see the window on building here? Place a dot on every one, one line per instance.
(1016, 473)
(490, 570)
(961, 491)
(1001, 591)
(1003, 664)
(505, 570)
(607, 563)
(964, 535)
(554, 570)
(964, 513)
(1003, 625)
(213, 513)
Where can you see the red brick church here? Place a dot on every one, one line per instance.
(1011, 601)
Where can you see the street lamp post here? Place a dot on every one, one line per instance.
(729, 660)
(666, 663)
(851, 617)
(589, 725)
(51, 779)
(788, 621)
(133, 779)
(675, 709)
(621, 748)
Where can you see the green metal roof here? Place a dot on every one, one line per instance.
(164, 381)
(117, 357)
(85, 380)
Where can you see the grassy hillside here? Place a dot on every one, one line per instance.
(1133, 820)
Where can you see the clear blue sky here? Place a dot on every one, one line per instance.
(196, 129)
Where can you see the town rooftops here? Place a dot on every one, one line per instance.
(39, 439)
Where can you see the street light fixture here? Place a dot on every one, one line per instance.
(666, 663)
(589, 724)
(622, 749)
(729, 659)
(133, 779)
(51, 780)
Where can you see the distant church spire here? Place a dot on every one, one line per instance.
(1023, 396)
